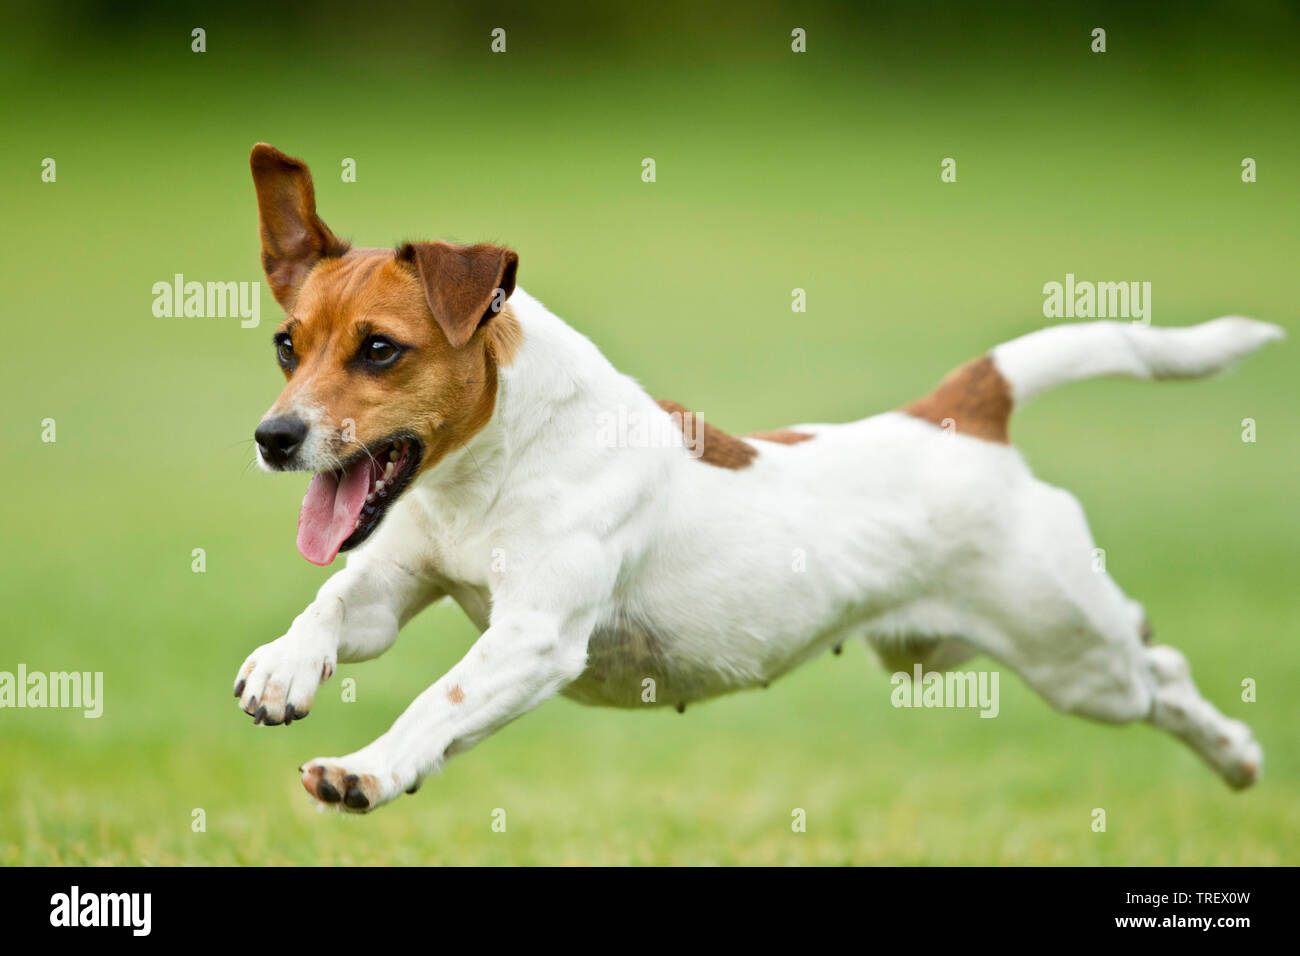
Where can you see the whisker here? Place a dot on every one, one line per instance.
(373, 460)
(475, 461)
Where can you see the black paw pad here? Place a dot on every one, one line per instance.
(325, 790)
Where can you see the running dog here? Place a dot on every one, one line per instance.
(463, 441)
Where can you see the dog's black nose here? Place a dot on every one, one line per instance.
(279, 438)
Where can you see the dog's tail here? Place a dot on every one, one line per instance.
(1042, 360)
(977, 398)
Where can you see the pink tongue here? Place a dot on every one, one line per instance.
(330, 511)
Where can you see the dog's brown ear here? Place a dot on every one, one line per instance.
(464, 285)
(293, 237)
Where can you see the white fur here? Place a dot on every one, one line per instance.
(591, 570)
(1069, 353)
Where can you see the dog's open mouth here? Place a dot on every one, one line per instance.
(342, 508)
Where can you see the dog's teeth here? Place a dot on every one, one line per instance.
(388, 470)
(379, 486)
(370, 497)
(393, 455)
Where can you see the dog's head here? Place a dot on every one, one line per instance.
(390, 357)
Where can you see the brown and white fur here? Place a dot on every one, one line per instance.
(658, 566)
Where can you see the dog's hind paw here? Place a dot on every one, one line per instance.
(1233, 751)
(1244, 759)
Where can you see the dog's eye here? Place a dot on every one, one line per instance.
(378, 350)
(284, 349)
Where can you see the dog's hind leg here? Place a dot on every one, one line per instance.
(1080, 642)
(1106, 683)
(1226, 745)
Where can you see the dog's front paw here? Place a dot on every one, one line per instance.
(278, 681)
(353, 784)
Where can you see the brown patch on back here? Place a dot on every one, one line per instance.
(717, 447)
(721, 449)
(456, 695)
(974, 397)
(782, 436)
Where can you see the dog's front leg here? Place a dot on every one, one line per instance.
(356, 616)
(524, 657)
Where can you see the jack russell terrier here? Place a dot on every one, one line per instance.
(458, 438)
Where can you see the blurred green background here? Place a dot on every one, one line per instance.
(775, 170)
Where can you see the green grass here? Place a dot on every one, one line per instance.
(773, 173)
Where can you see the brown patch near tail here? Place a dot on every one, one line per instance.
(782, 436)
(717, 447)
(456, 695)
(974, 397)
